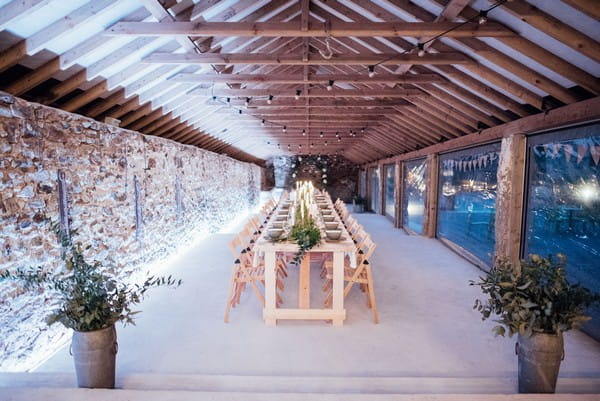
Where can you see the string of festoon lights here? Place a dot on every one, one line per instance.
(420, 48)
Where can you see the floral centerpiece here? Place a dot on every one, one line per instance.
(304, 231)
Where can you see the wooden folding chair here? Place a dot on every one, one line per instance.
(243, 273)
(362, 275)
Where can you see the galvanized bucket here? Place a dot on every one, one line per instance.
(94, 354)
(539, 362)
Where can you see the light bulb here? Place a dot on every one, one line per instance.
(321, 134)
(228, 102)
(371, 71)
(270, 99)
(262, 123)
(482, 17)
(298, 92)
(284, 128)
(247, 102)
(330, 85)
(421, 51)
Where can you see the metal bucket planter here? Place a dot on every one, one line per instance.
(94, 354)
(539, 361)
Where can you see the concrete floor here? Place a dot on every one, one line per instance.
(427, 325)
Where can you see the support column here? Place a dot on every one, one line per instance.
(399, 194)
(510, 198)
(381, 205)
(430, 218)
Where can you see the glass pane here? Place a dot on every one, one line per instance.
(467, 199)
(563, 208)
(374, 189)
(413, 201)
(390, 190)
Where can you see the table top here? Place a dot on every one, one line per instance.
(264, 243)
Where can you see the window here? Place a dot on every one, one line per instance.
(467, 199)
(413, 200)
(374, 177)
(563, 204)
(390, 190)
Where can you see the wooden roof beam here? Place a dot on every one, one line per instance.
(293, 29)
(292, 79)
(276, 59)
(320, 93)
(554, 27)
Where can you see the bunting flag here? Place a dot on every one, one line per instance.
(581, 152)
(568, 152)
(595, 151)
(470, 163)
(555, 150)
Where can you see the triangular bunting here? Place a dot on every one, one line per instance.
(568, 152)
(581, 151)
(595, 151)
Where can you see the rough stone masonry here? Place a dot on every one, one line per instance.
(133, 198)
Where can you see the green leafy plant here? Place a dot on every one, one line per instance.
(305, 233)
(538, 299)
(358, 200)
(87, 297)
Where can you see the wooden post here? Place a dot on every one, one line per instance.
(304, 283)
(368, 188)
(381, 205)
(510, 198)
(338, 288)
(399, 194)
(270, 289)
(430, 218)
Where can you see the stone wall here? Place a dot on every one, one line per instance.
(341, 175)
(134, 198)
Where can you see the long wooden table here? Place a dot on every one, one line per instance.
(269, 250)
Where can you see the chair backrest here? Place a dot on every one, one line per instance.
(361, 237)
(368, 247)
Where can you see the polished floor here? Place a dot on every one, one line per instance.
(427, 325)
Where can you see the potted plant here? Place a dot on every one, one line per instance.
(358, 203)
(90, 301)
(535, 301)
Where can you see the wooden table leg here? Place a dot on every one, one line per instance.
(270, 289)
(338, 287)
(304, 283)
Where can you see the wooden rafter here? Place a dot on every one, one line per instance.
(293, 29)
(292, 79)
(274, 59)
